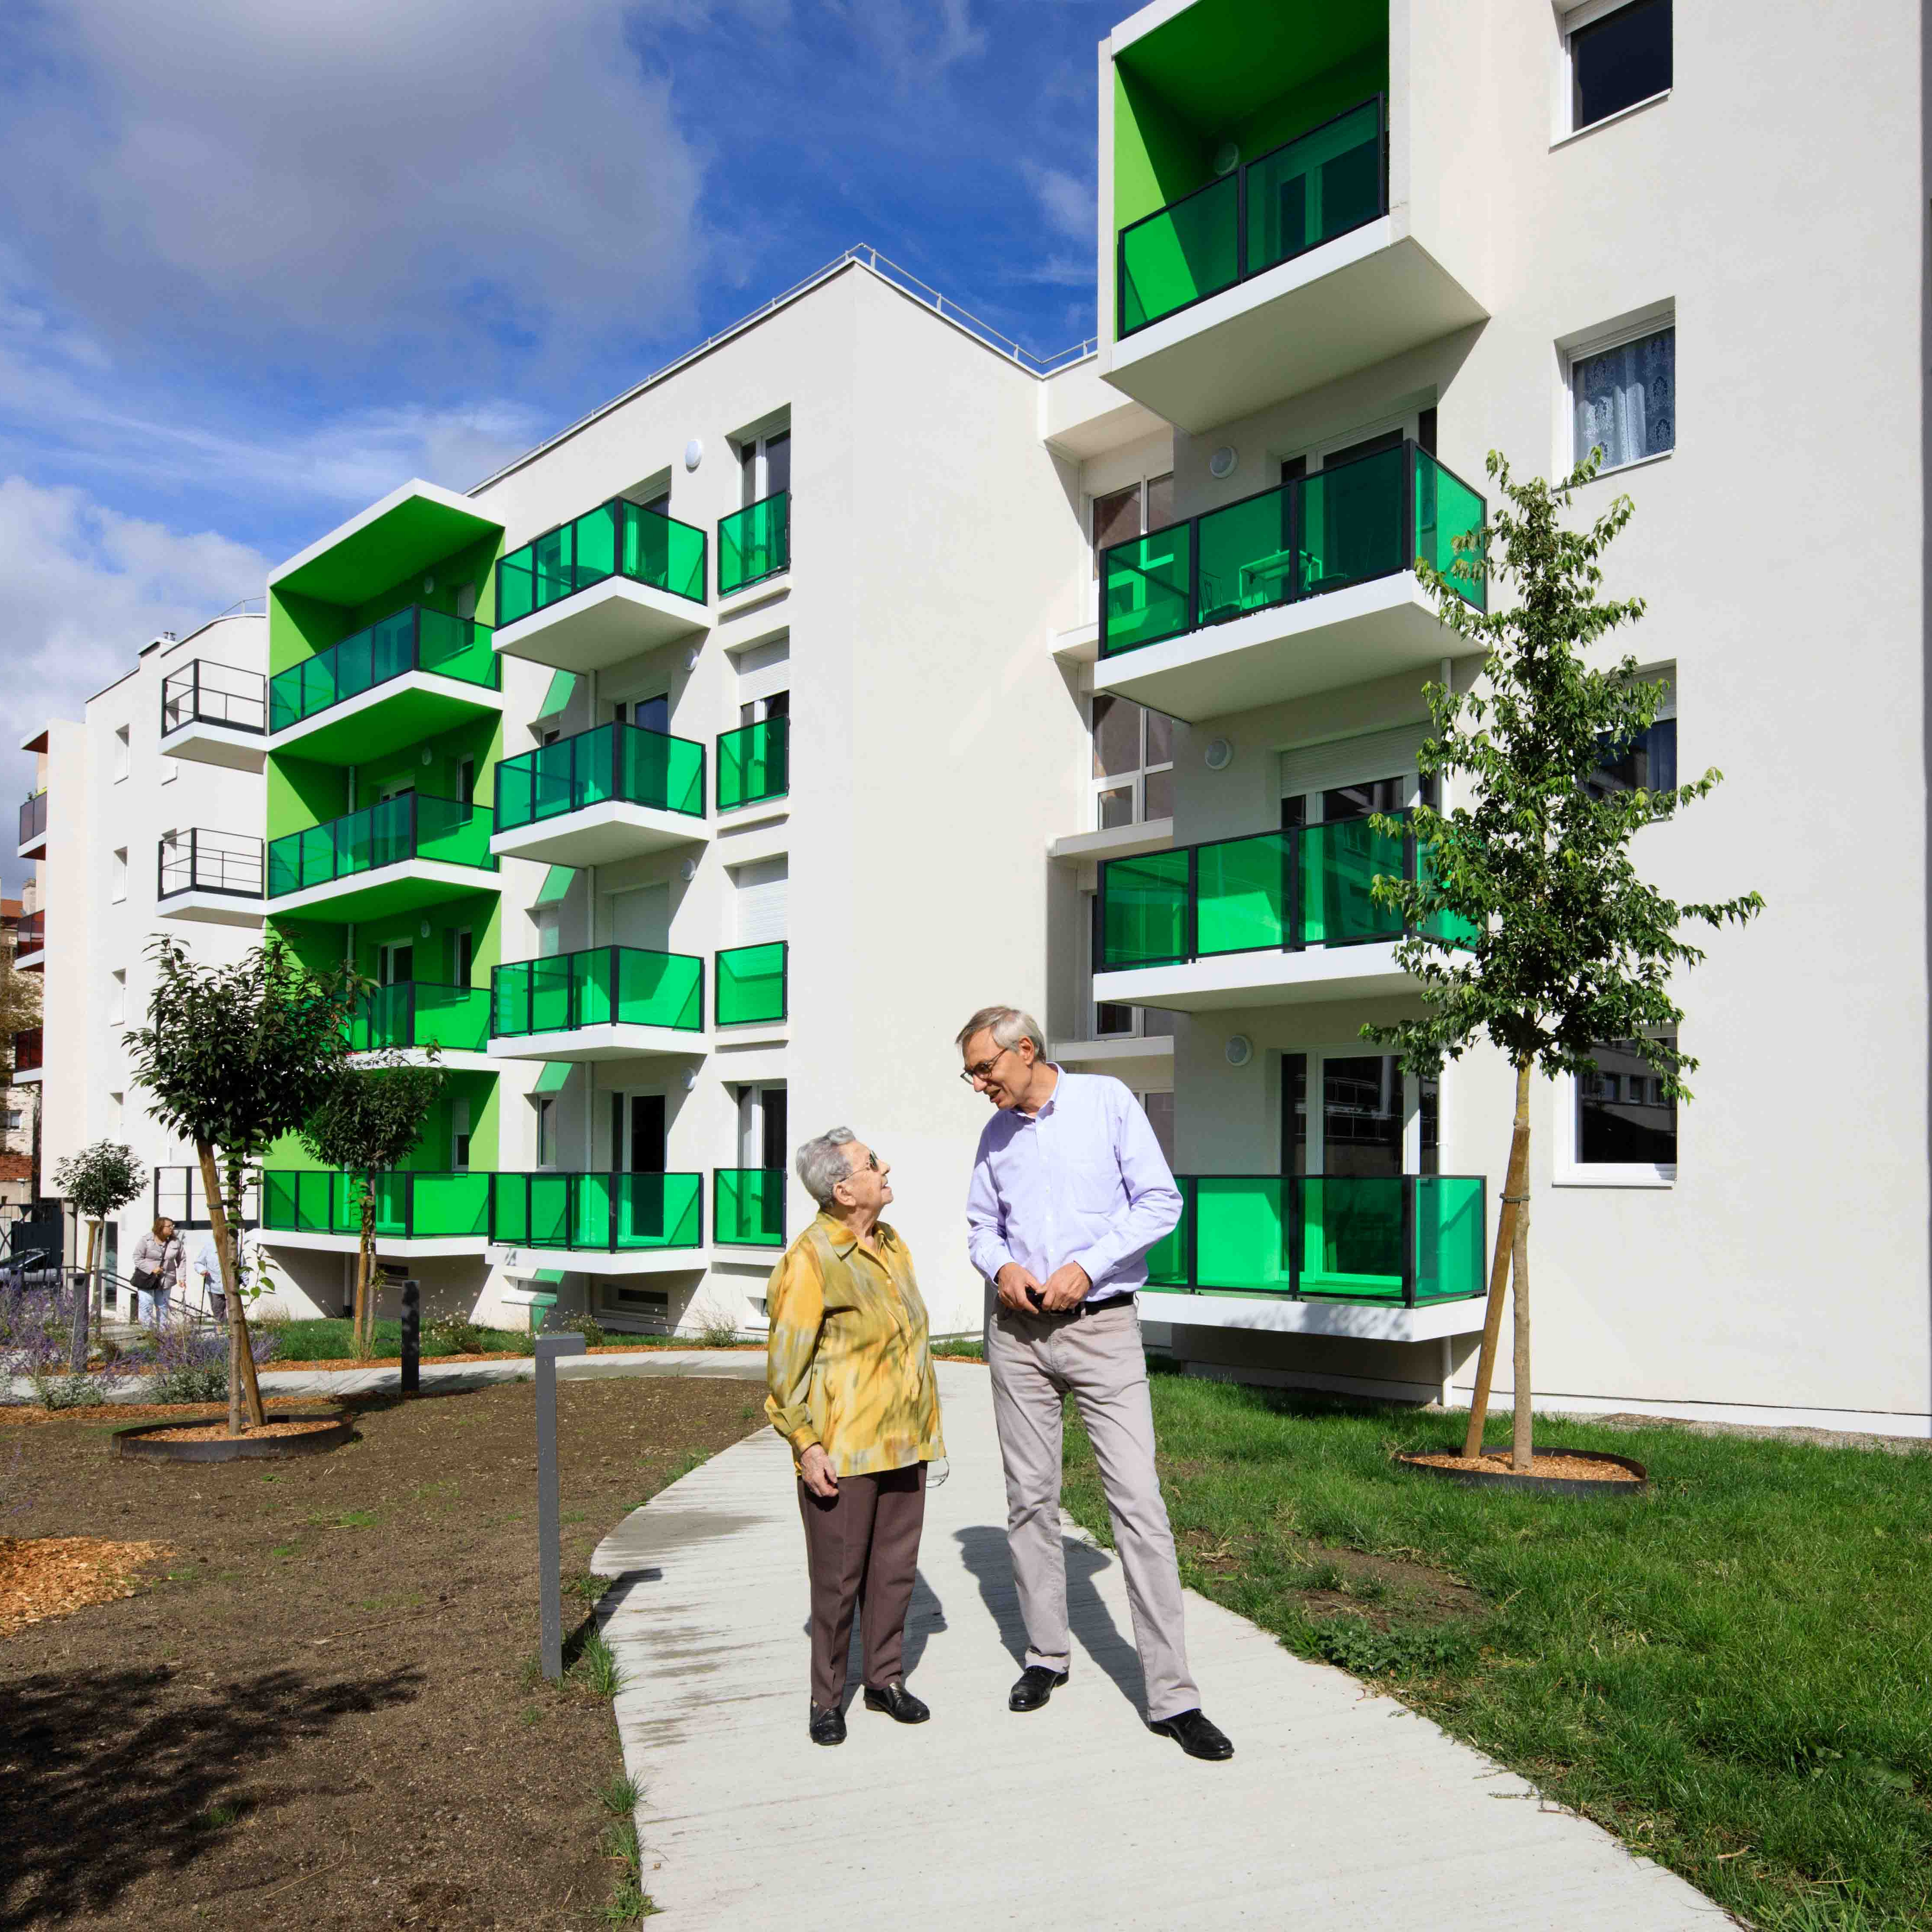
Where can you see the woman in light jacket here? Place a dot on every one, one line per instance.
(157, 1260)
(849, 1367)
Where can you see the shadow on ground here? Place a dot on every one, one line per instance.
(107, 1778)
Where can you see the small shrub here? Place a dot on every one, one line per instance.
(1357, 1646)
(596, 1668)
(187, 1361)
(452, 1335)
(36, 1337)
(715, 1328)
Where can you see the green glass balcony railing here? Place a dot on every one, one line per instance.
(619, 538)
(753, 763)
(755, 543)
(607, 1212)
(615, 761)
(413, 825)
(751, 983)
(1306, 886)
(412, 640)
(624, 986)
(748, 1206)
(409, 1207)
(419, 1013)
(1410, 1239)
(1322, 184)
(1370, 517)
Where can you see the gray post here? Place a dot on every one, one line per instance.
(412, 1349)
(550, 1556)
(77, 1342)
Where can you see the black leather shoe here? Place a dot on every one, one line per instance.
(828, 1727)
(1195, 1735)
(898, 1703)
(1036, 1684)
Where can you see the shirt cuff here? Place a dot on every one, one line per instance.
(1094, 1262)
(1000, 1256)
(802, 1440)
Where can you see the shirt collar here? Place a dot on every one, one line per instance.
(838, 1232)
(1052, 1100)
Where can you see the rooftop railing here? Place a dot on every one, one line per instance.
(412, 825)
(1410, 1240)
(34, 817)
(415, 639)
(197, 861)
(619, 538)
(205, 693)
(611, 1213)
(417, 1013)
(625, 985)
(1322, 184)
(751, 983)
(1305, 885)
(753, 763)
(748, 1206)
(755, 543)
(1371, 517)
(623, 762)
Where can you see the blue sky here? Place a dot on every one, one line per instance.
(259, 263)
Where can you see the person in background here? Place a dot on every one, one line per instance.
(157, 1268)
(208, 1274)
(849, 1367)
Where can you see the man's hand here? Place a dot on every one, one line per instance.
(1013, 1282)
(815, 1469)
(1066, 1288)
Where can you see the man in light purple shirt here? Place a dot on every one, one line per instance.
(1070, 1191)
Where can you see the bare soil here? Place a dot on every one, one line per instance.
(1381, 1589)
(322, 1707)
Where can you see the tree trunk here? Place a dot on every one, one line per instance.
(1520, 1449)
(76, 1347)
(364, 1330)
(241, 1356)
(1516, 1187)
(96, 1284)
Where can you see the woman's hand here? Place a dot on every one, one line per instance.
(815, 1470)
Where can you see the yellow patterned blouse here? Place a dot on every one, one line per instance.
(849, 1364)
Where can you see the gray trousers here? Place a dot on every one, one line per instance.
(1035, 1362)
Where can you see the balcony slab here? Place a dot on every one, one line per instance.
(28, 1076)
(33, 962)
(398, 712)
(1277, 1314)
(425, 1247)
(401, 887)
(602, 625)
(1138, 1062)
(1356, 301)
(203, 742)
(619, 1040)
(1287, 651)
(1273, 978)
(600, 834)
(210, 907)
(1117, 842)
(526, 1263)
(453, 1059)
(35, 847)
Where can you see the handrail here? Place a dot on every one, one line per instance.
(200, 697)
(209, 861)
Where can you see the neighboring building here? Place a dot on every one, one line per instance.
(147, 820)
(20, 939)
(1344, 265)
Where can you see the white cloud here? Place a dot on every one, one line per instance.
(82, 589)
(466, 171)
(1065, 201)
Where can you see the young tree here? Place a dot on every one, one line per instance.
(100, 1179)
(1528, 923)
(236, 1057)
(368, 1122)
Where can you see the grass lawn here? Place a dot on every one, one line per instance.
(327, 1340)
(1733, 1673)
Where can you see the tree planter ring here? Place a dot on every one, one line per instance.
(1506, 1478)
(147, 1441)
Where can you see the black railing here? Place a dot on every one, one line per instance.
(214, 694)
(34, 817)
(179, 1195)
(227, 862)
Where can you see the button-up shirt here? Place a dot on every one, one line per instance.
(1084, 1180)
(848, 1363)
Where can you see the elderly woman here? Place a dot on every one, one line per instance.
(849, 1372)
(157, 1267)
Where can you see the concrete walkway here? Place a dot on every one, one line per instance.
(1339, 1809)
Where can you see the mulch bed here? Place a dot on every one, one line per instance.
(322, 1708)
(114, 1414)
(42, 1577)
(218, 1432)
(1571, 1469)
(343, 1362)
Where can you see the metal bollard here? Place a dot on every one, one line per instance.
(550, 1554)
(412, 1349)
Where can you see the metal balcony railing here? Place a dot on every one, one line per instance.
(206, 693)
(753, 763)
(752, 983)
(609, 1213)
(755, 543)
(34, 817)
(413, 825)
(415, 639)
(626, 762)
(625, 985)
(748, 1206)
(619, 538)
(229, 862)
(414, 1013)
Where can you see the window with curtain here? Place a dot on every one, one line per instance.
(1626, 399)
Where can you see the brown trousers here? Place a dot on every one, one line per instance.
(861, 1548)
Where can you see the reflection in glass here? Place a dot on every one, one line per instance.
(1622, 1116)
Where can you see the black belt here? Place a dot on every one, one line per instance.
(1073, 1314)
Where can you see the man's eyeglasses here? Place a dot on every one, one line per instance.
(971, 1074)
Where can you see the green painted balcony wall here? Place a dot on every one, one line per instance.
(302, 792)
(751, 984)
(748, 1206)
(619, 538)
(753, 763)
(1327, 1238)
(408, 1014)
(754, 543)
(420, 1204)
(603, 986)
(611, 1212)
(624, 762)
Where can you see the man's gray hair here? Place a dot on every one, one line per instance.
(822, 1166)
(1009, 1026)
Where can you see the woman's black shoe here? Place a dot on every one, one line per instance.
(828, 1727)
(898, 1703)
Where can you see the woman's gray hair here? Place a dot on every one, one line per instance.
(822, 1165)
(1009, 1025)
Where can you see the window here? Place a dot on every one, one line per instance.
(116, 1107)
(1112, 1021)
(638, 1133)
(1368, 1119)
(117, 996)
(1623, 399)
(462, 957)
(1121, 515)
(546, 1105)
(1622, 1131)
(758, 710)
(117, 875)
(763, 1133)
(1133, 762)
(1647, 762)
(465, 781)
(764, 463)
(16, 1120)
(459, 1135)
(123, 757)
(466, 601)
(761, 900)
(1619, 55)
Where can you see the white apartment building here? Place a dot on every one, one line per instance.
(146, 819)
